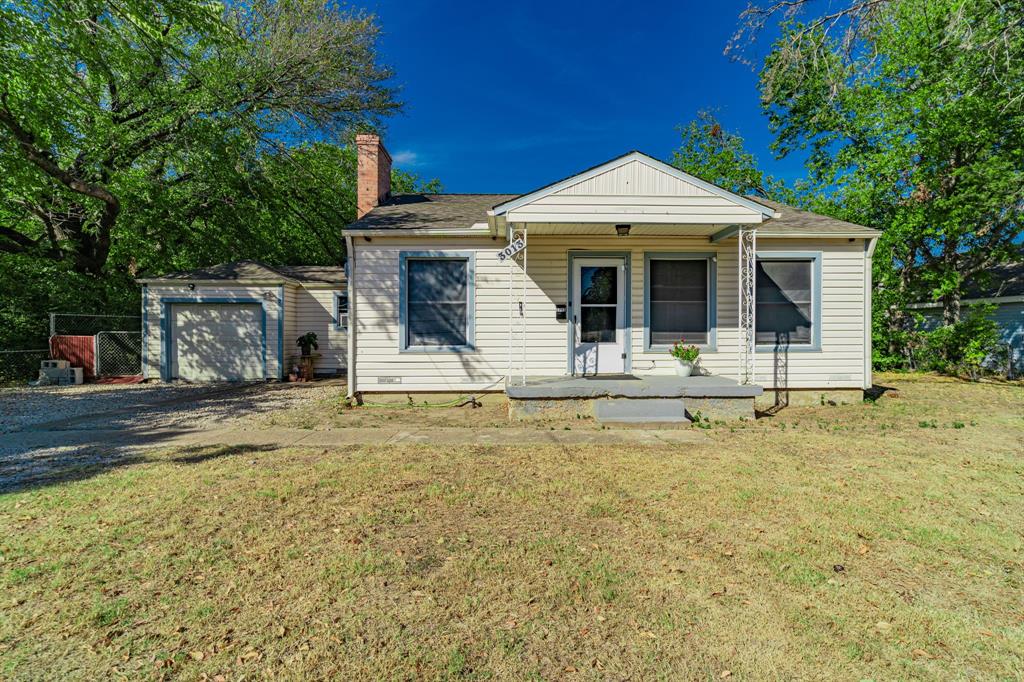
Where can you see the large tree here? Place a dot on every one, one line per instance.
(112, 107)
(720, 156)
(912, 113)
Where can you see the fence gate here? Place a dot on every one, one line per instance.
(118, 354)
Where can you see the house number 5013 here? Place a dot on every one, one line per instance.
(517, 245)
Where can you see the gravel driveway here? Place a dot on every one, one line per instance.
(140, 406)
(22, 408)
(141, 413)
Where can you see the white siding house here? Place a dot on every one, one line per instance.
(437, 308)
(239, 321)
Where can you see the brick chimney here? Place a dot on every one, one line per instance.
(373, 185)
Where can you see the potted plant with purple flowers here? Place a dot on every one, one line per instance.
(686, 356)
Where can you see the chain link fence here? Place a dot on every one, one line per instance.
(18, 366)
(118, 354)
(77, 324)
(111, 346)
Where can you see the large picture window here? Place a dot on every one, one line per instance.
(785, 302)
(679, 300)
(436, 295)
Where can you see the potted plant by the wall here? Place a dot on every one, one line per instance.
(307, 342)
(686, 356)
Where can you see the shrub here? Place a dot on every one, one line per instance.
(964, 347)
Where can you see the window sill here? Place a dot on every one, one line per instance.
(438, 349)
(806, 348)
(666, 349)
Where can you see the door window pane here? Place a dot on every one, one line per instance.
(597, 324)
(784, 302)
(598, 284)
(436, 301)
(678, 306)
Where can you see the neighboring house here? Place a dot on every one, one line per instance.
(1003, 288)
(239, 321)
(619, 261)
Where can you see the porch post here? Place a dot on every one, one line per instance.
(510, 231)
(522, 305)
(746, 322)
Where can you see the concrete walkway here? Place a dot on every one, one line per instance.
(284, 438)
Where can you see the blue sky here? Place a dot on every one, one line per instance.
(508, 96)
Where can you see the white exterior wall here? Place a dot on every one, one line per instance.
(634, 192)
(839, 364)
(312, 310)
(153, 315)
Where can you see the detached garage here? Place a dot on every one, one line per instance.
(239, 321)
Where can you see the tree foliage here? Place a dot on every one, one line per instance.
(710, 152)
(140, 136)
(108, 106)
(911, 112)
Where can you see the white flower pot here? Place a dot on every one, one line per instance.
(684, 369)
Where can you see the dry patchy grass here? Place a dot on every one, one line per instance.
(865, 541)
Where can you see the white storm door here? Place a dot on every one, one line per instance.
(599, 316)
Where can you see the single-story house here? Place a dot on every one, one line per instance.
(597, 275)
(240, 321)
(1002, 287)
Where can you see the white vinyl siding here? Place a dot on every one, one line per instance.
(381, 365)
(635, 193)
(313, 311)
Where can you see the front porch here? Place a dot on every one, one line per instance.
(630, 398)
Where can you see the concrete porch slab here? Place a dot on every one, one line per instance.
(629, 386)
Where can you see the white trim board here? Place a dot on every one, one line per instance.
(640, 157)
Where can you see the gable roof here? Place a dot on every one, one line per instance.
(254, 271)
(430, 211)
(458, 213)
(627, 158)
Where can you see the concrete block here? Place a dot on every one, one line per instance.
(640, 411)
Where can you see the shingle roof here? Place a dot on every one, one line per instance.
(796, 221)
(1006, 279)
(418, 211)
(250, 270)
(314, 274)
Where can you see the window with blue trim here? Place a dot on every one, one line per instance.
(679, 299)
(785, 302)
(437, 302)
(340, 310)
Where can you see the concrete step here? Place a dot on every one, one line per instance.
(641, 411)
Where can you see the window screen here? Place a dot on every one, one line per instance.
(341, 309)
(678, 301)
(784, 302)
(436, 302)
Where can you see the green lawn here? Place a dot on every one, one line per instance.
(875, 541)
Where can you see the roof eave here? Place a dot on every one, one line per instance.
(475, 230)
(216, 282)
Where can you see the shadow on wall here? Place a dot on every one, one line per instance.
(215, 341)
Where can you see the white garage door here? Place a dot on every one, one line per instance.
(216, 341)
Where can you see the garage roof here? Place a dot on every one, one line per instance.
(250, 271)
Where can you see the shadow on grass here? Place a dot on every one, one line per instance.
(206, 453)
(31, 470)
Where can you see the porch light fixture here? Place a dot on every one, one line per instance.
(622, 230)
